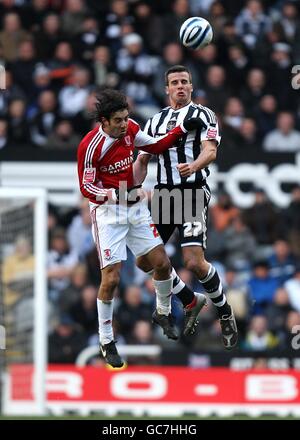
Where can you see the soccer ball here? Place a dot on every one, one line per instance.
(195, 33)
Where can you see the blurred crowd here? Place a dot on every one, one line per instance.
(58, 53)
(256, 251)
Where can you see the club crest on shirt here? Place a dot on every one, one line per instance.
(127, 141)
(89, 175)
(171, 124)
(107, 254)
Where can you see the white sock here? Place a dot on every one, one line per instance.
(178, 284)
(105, 315)
(163, 289)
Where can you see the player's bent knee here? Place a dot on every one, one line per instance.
(110, 279)
(143, 264)
(163, 266)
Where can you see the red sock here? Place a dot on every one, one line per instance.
(192, 304)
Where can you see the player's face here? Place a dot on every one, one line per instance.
(117, 125)
(179, 89)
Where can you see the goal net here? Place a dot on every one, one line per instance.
(23, 324)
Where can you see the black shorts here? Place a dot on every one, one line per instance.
(184, 208)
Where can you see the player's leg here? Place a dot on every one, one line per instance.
(179, 288)
(207, 274)
(110, 277)
(144, 240)
(110, 240)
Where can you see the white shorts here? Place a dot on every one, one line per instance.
(116, 226)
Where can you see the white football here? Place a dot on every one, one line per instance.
(195, 33)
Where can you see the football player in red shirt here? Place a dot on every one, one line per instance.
(120, 217)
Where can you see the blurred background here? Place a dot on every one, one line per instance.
(56, 55)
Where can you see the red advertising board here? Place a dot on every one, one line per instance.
(161, 385)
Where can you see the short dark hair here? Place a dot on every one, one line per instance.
(109, 101)
(175, 69)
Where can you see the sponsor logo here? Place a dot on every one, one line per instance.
(118, 166)
(89, 175)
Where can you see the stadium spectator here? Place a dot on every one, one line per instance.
(291, 221)
(71, 294)
(11, 91)
(284, 138)
(259, 338)
(255, 89)
(216, 89)
(72, 97)
(61, 263)
(223, 212)
(104, 70)
(42, 124)
(240, 245)
(84, 311)
(12, 36)
(18, 271)
(248, 134)
(79, 231)
(262, 287)
(63, 137)
(252, 24)
(266, 114)
(132, 309)
(172, 54)
(66, 341)
(262, 219)
(48, 36)
(292, 287)
(18, 128)
(136, 69)
(23, 68)
(87, 40)
(277, 313)
(73, 16)
(281, 261)
(3, 133)
(150, 25)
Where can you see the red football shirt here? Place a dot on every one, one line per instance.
(104, 161)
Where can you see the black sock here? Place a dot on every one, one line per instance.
(181, 290)
(213, 286)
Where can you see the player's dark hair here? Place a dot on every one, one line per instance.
(108, 102)
(175, 69)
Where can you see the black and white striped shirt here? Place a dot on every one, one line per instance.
(188, 148)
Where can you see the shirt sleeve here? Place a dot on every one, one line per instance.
(211, 132)
(160, 144)
(148, 130)
(87, 176)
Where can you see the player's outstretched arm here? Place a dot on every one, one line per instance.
(161, 144)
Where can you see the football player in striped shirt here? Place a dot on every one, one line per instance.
(184, 168)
